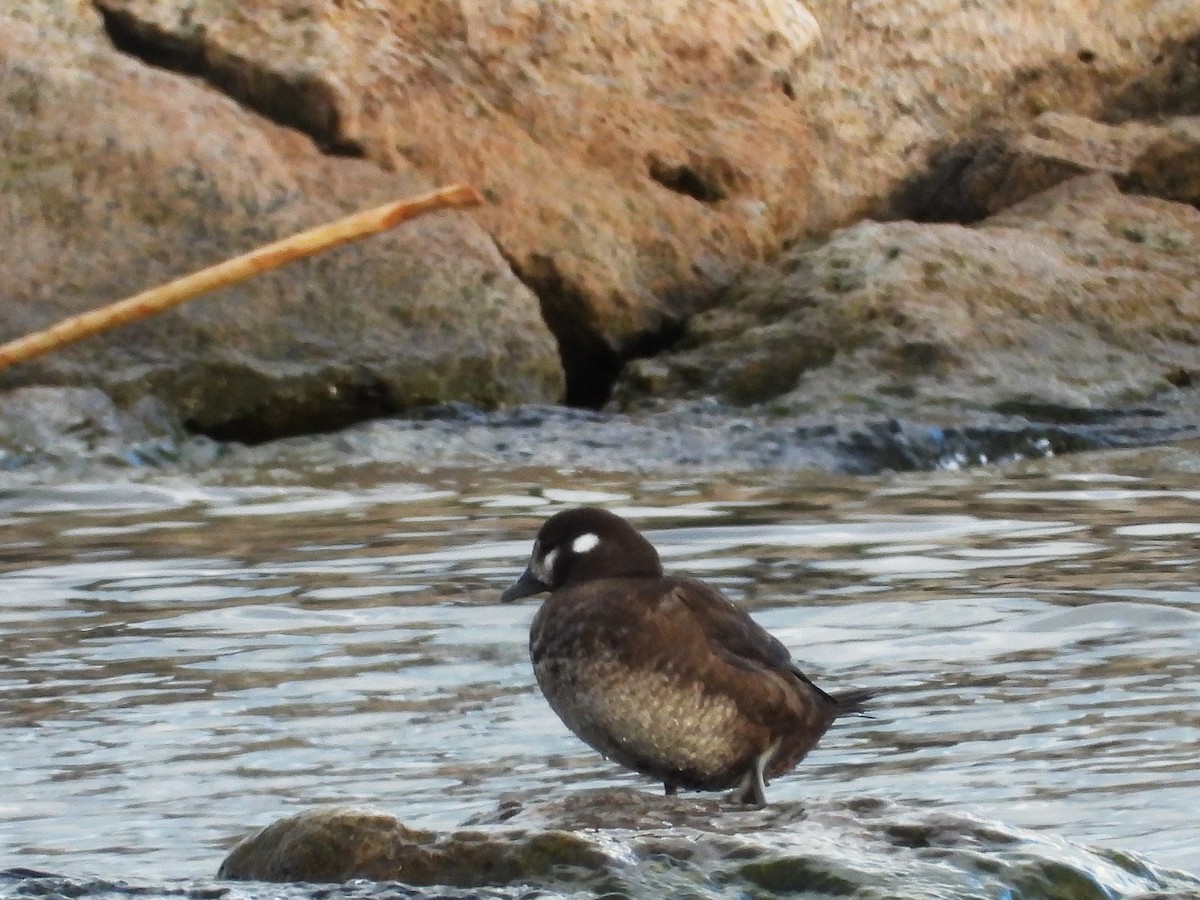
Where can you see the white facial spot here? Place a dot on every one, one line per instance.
(585, 542)
(543, 566)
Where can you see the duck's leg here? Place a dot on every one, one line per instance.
(753, 787)
(670, 788)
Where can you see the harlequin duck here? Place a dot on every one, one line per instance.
(664, 675)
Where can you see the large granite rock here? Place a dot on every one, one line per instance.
(637, 158)
(117, 176)
(1081, 297)
(637, 161)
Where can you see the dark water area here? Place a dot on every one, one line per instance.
(186, 657)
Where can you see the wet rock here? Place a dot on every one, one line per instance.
(341, 843)
(1027, 432)
(117, 176)
(631, 843)
(83, 433)
(1080, 298)
(69, 427)
(706, 438)
(638, 158)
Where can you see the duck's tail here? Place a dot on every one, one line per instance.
(852, 703)
(843, 703)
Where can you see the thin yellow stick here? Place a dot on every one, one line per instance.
(271, 256)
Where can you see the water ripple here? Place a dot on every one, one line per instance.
(180, 662)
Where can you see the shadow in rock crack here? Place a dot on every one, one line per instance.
(590, 360)
(306, 103)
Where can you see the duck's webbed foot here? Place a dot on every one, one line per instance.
(751, 790)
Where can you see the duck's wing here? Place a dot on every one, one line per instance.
(731, 633)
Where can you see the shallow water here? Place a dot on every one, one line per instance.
(183, 660)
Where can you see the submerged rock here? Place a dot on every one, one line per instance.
(633, 843)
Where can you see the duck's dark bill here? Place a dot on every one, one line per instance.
(527, 585)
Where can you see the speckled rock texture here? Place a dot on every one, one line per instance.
(638, 158)
(1079, 297)
(641, 164)
(115, 176)
(1160, 158)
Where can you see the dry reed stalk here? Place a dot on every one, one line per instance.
(271, 256)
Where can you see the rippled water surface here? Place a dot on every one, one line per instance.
(182, 661)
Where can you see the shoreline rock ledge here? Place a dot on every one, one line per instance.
(643, 165)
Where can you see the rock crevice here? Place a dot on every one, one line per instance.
(307, 104)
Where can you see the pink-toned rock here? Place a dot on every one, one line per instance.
(639, 157)
(636, 161)
(116, 176)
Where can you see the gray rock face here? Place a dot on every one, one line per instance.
(117, 176)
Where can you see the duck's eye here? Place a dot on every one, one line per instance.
(585, 542)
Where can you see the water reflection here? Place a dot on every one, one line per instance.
(183, 661)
